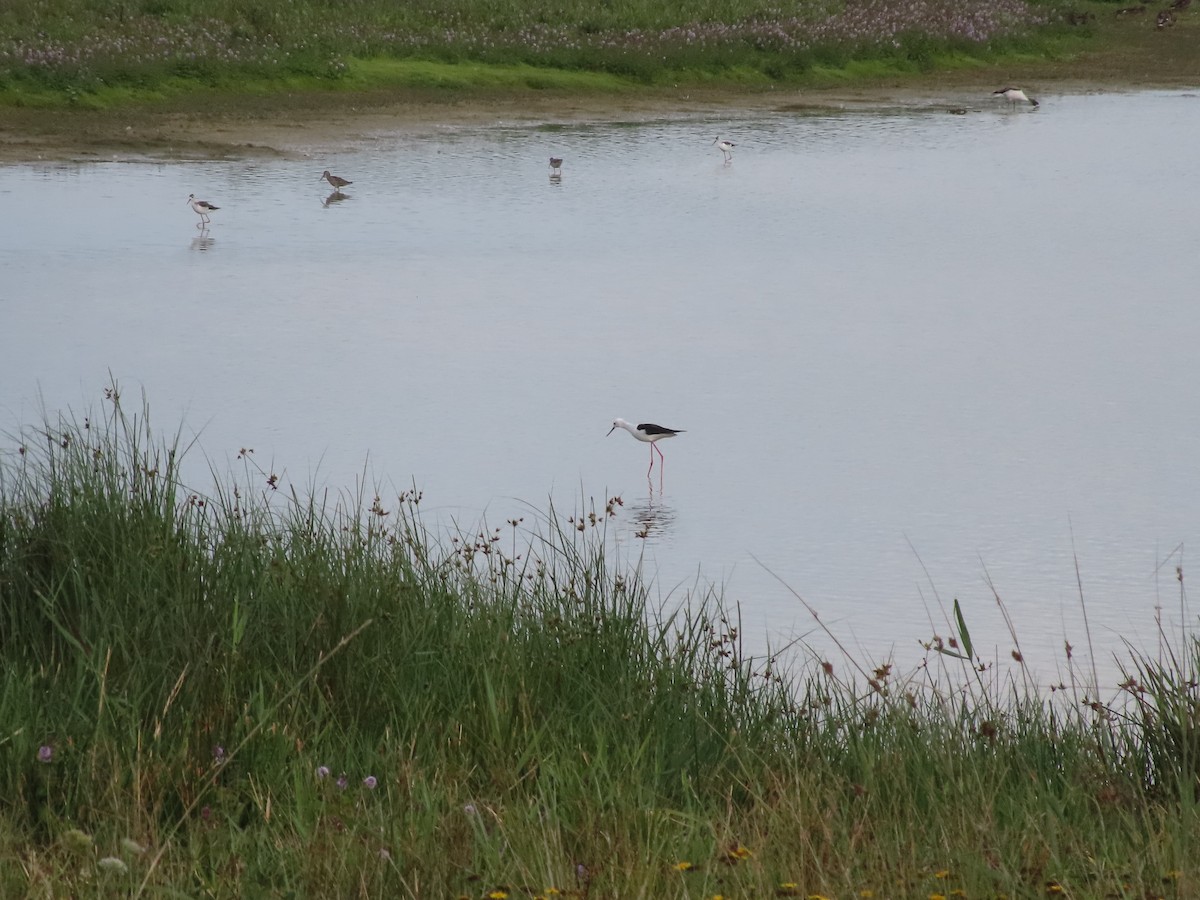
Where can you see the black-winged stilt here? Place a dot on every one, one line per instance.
(335, 181)
(725, 147)
(648, 434)
(202, 208)
(1016, 95)
(556, 164)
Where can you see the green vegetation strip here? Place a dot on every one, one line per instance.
(246, 690)
(95, 55)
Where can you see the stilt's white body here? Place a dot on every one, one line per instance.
(202, 208)
(1016, 95)
(647, 433)
(725, 147)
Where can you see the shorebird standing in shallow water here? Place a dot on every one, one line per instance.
(649, 434)
(725, 147)
(1016, 95)
(335, 181)
(202, 208)
(556, 165)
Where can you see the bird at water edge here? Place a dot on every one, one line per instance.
(725, 147)
(556, 163)
(336, 181)
(202, 208)
(1016, 95)
(647, 433)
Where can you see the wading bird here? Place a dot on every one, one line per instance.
(336, 181)
(202, 208)
(648, 434)
(1016, 95)
(725, 147)
(556, 164)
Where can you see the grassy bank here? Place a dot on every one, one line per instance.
(80, 53)
(244, 691)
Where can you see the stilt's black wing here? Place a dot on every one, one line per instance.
(647, 428)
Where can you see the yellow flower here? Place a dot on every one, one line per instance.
(1174, 874)
(945, 873)
(788, 889)
(937, 897)
(683, 866)
(1054, 888)
(498, 895)
(866, 892)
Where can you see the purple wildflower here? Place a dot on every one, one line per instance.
(322, 772)
(45, 753)
(342, 782)
(370, 781)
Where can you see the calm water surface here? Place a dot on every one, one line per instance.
(912, 351)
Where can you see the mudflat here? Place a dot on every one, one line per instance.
(232, 125)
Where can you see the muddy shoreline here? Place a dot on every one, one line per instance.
(298, 126)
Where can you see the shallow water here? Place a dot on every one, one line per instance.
(912, 351)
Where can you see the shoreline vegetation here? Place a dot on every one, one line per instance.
(247, 691)
(78, 53)
(152, 75)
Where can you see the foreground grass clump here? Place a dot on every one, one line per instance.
(74, 48)
(242, 692)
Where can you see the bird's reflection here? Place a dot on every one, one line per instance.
(556, 177)
(202, 241)
(652, 519)
(335, 197)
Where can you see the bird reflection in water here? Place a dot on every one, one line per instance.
(335, 197)
(203, 242)
(652, 519)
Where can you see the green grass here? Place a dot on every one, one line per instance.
(468, 76)
(431, 78)
(96, 56)
(87, 55)
(189, 660)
